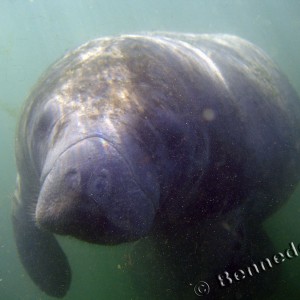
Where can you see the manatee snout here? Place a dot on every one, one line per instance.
(92, 193)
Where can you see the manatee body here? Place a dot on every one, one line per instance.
(154, 135)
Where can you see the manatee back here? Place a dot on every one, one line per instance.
(250, 115)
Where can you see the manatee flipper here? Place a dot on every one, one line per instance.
(224, 244)
(41, 256)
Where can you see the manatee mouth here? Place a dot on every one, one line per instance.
(91, 193)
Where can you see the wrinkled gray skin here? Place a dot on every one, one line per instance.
(192, 140)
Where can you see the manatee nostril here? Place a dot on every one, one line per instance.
(72, 179)
(99, 185)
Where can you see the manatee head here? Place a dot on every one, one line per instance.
(90, 191)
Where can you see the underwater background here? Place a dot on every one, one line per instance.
(35, 33)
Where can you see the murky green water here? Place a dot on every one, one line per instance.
(34, 33)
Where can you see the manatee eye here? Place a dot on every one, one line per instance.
(44, 123)
(99, 185)
(72, 179)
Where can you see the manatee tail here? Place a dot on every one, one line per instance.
(41, 256)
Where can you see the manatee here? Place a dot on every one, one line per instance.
(189, 140)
